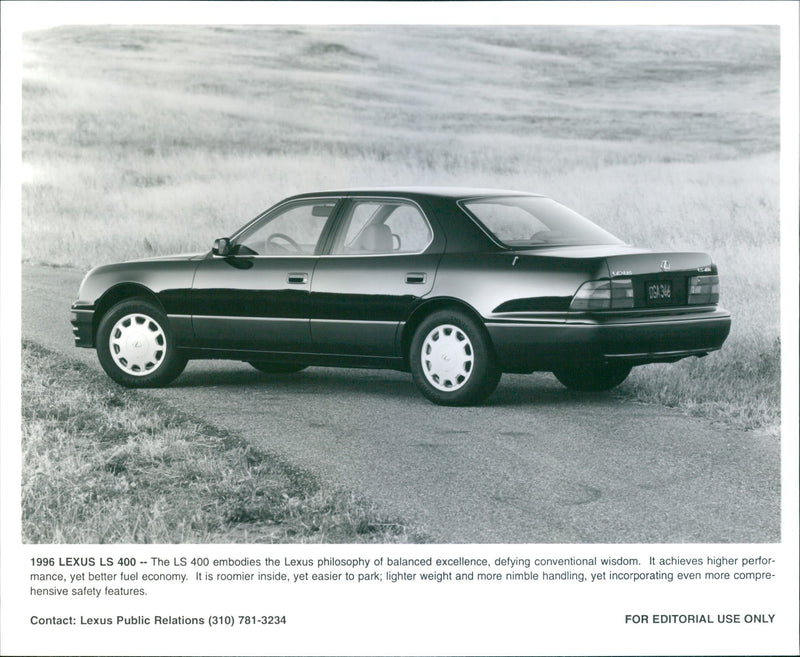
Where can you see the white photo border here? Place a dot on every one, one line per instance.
(442, 623)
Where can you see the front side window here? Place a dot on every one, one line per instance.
(294, 230)
(382, 228)
(519, 221)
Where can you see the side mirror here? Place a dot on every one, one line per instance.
(222, 246)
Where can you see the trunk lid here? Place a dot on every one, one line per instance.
(660, 278)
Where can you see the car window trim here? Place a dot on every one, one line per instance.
(461, 203)
(339, 226)
(322, 241)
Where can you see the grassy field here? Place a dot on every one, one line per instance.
(148, 140)
(102, 464)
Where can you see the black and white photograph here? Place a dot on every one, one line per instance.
(504, 294)
(578, 380)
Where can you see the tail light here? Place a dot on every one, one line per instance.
(704, 289)
(604, 295)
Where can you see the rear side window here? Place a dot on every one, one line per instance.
(519, 221)
(382, 228)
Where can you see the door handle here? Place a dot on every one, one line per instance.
(416, 278)
(297, 278)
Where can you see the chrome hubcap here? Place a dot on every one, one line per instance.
(447, 358)
(137, 344)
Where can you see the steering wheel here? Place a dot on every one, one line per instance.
(282, 236)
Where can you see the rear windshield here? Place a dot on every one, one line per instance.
(519, 221)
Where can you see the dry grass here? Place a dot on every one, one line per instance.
(150, 140)
(106, 465)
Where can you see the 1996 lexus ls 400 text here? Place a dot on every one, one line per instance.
(455, 285)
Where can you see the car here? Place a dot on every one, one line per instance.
(454, 285)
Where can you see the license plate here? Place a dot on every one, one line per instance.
(658, 292)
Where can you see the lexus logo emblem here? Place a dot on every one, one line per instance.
(665, 265)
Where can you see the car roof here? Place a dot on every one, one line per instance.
(419, 191)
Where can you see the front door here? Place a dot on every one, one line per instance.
(257, 297)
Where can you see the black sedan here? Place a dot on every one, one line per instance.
(454, 285)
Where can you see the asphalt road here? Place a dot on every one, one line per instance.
(536, 464)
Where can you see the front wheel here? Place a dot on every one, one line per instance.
(593, 377)
(136, 346)
(452, 361)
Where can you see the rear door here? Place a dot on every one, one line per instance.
(258, 297)
(381, 263)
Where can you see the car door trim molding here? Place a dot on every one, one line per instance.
(354, 321)
(254, 318)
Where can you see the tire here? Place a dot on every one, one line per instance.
(136, 345)
(276, 368)
(593, 377)
(452, 360)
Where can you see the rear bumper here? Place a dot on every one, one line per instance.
(536, 344)
(82, 326)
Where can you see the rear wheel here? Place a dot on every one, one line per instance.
(593, 377)
(136, 346)
(276, 368)
(452, 361)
